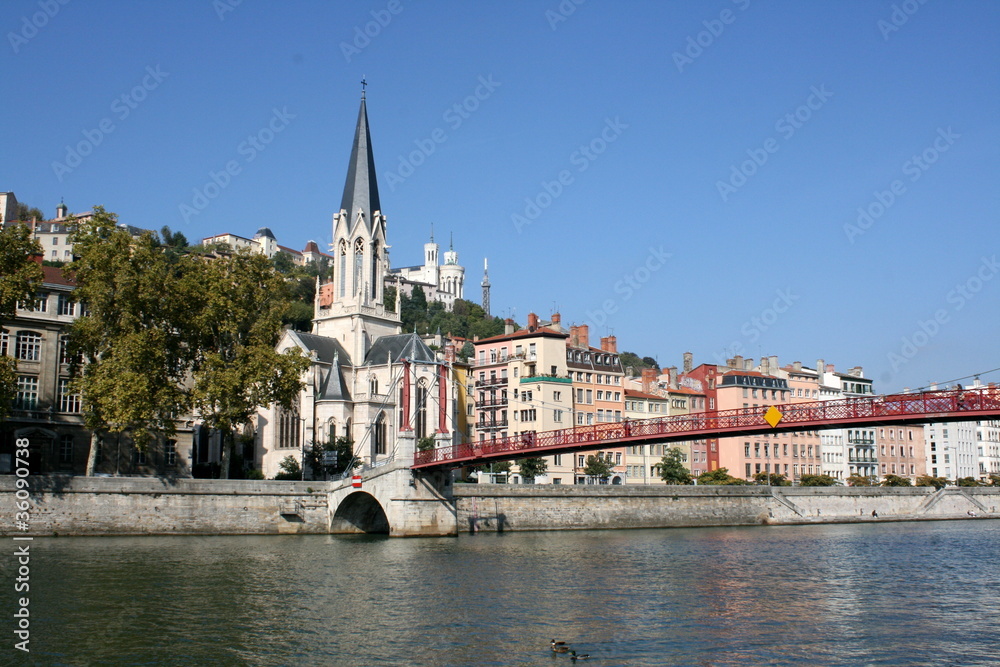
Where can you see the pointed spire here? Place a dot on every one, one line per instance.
(361, 187)
(432, 232)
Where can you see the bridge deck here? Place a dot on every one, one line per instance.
(918, 408)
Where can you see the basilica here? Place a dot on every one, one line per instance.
(369, 381)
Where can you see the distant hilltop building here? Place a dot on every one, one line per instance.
(440, 282)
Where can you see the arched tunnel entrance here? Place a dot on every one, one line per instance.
(360, 512)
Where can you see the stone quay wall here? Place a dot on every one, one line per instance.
(500, 507)
(153, 506)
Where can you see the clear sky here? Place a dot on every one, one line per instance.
(801, 179)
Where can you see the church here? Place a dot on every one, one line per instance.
(382, 388)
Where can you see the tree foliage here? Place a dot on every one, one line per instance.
(20, 278)
(967, 481)
(671, 467)
(598, 466)
(720, 476)
(896, 480)
(237, 324)
(290, 469)
(533, 467)
(134, 334)
(465, 320)
(636, 363)
(817, 480)
(860, 480)
(929, 480)
(25, 212)
(771, 479)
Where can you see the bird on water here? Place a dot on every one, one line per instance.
(574, 657)
(559, 647)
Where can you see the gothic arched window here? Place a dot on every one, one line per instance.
(359, 260)
(343, 267)
(375, 267)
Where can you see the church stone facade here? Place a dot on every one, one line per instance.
(369, 381)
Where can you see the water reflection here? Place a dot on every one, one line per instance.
(899, 594)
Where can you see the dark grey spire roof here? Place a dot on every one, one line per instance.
(333, 386)
(361, 187)
(400, 346)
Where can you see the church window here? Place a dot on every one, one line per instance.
(378, 434)
(373, 386)
(288, 427)
(375, 278)
(359, 259)
(343, 268)
(421, 411)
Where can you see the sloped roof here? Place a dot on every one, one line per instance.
(401, 346)
(326, 348)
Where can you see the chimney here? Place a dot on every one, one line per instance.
(748, 365)
(820, 366)
(648, 380)
(673, 376)
(830, 368)
(508, 326)
(556, 318)
(449, 352)
(612, 344)
(737, 362)
(583, 332)
(797, 365)
(765, 365)
(688, 362)
(774, 364)
(532, 321)
(574, 336)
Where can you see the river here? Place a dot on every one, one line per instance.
(922, 593)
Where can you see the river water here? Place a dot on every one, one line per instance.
(858, 594)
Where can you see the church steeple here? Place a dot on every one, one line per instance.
(361, 187)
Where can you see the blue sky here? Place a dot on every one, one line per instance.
(801, 179)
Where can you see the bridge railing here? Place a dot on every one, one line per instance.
(718, 423)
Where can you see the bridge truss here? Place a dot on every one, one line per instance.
(911, 408)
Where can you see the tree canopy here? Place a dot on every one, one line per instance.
(771, 479)
(20, 278)
(532, 468)
(817, 480)
(896, 480)
(598, 466)
(671, 467)
(720, 476)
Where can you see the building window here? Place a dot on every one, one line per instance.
(68, 401)
(170, 453)
(65, 449)
(140, 457)
(378, 434)
(4, 342)
(288, 427)
(27, 393)
(28, 346)
(66, 305)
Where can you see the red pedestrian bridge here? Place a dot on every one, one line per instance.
(950, 405)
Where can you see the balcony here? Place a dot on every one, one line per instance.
(491, 426)
(862, 459)
(491, 382)
(501, 402)
(860, 441)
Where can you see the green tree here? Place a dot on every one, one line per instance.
(817, 480)
(967, 481)
(928, 480)
(175, 240)
(389, 298)
(237, 368)
(283, 263)
(994, 479)
(771, 479)
(25, 212)
(290, 469)
(425, 443)
(636, 363)
(20, 278)
(597, 465)
(532, 467)
(860, 480)
(135, 336)
(720, 476)
(671, 467)
(896, 480)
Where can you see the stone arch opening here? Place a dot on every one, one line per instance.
(360, 512)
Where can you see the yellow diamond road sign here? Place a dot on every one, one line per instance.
(772, 416)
